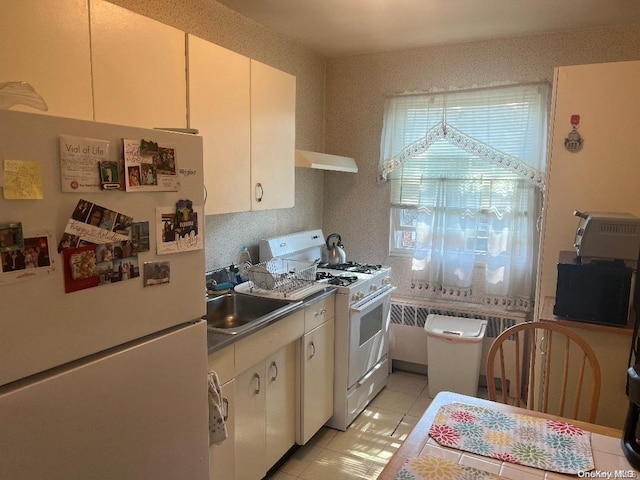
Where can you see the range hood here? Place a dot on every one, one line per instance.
(325, 161)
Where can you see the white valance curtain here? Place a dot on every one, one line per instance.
(471, 165)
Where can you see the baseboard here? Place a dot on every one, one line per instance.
(410, 367)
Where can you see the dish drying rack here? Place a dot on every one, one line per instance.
(281, 275)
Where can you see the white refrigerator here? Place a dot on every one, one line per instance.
(107, 382)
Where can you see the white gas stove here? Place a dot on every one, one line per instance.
(363, 299)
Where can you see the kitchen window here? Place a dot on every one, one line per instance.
(466, 172)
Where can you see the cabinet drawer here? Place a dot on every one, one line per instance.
(318, 313)
(223, 363)
(261, 344)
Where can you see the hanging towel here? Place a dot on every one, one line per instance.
(217, 426)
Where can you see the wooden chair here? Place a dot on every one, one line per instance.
(559, 350)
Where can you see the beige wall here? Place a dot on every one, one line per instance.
(225, 234)
(354, 205)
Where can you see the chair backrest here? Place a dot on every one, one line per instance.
(558, 351)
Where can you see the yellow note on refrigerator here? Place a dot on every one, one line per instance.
(22, 180)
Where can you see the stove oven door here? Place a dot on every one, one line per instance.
(369, 333)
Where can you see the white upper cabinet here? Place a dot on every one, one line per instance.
(245, 112)
(46, 43)
(138, 69)
(273, 137)
(219, 108)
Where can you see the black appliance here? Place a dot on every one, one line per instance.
(630, 442)
(597, 291)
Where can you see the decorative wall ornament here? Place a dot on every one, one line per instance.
(574, 141)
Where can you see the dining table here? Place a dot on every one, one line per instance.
(437, 459)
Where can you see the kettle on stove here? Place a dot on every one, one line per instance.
(630, 441)
(335, 254)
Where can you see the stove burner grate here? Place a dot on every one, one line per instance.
(339, 280)
(352, 267)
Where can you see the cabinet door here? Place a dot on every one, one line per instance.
(46, 43)
(138, 69)
(222, 456)
(250, 411)
(281, 408)
(273, 137)
(317, 363)
(219, 108)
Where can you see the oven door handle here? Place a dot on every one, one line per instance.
(376, 297)
(369, 374)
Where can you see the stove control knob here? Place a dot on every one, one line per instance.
(373, 287)
(358, 296)
(386, 280)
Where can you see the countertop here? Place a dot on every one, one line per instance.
(217, 341)
(548, 316)
(605, 443)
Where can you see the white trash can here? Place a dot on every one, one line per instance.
(454, 352)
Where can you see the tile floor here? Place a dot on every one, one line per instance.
(364, 449)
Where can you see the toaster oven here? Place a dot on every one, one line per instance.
(608, 236)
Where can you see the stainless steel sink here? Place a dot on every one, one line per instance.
(233, 313)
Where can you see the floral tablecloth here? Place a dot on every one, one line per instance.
(523, 439)
(433, 468)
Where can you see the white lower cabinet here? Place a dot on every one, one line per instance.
(265, 413)
(281, 406)
(222, 457)
(316, 381)
(250, 435)
(277, 387)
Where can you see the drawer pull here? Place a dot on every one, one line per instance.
(321, 312)
(275, 367)
(257, 377)
(225, 405)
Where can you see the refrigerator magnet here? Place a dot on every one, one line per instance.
(156, 273)
(177, 229)
(80, 268)
(149, 167)
(33, 260)
(11, 237)
(109, 176)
